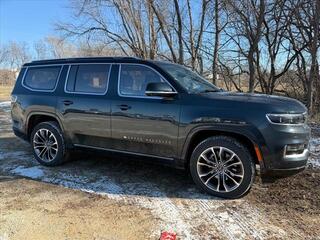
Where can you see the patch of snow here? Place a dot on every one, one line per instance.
(314, 159)
(6, 106)
(31, 172)
(4, 236)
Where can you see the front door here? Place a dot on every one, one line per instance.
(143, 124)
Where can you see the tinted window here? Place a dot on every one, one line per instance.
(42, 78)
(135, 78)
(91, 78)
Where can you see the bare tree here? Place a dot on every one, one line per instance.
(160, 13)
(275, 45)
(247, 23)
(252, 45)
(196, 32)
(219, 12)
(18, 54)
(3, 54)
(41, 49)
(12, 57)
(216, 41)
(179, 30)
(314, 69)
(304, 31)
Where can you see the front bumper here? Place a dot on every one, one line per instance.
(276, 162)
(291, 165)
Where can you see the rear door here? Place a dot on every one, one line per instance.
(84, 106)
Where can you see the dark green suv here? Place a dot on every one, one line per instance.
(161, 112)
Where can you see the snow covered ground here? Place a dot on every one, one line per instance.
(314, 159)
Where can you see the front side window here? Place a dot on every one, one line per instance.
(90, 78)
(42, 78)
(135, 78)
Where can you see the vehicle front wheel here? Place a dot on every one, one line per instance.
(48, 144)
(223, 167)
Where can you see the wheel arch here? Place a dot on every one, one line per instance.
(200, 134)
(37, 117)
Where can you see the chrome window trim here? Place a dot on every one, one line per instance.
(161, 92)
(87, 93)
(41, 90)
(138, 96)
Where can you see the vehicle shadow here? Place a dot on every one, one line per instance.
(101, 173)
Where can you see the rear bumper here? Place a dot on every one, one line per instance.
(20, 134)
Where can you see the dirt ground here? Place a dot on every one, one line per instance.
(33, 210)
(107, 197)
(5, 91)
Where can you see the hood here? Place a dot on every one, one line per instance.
(271, 103)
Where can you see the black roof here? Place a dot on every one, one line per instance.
(84, 59)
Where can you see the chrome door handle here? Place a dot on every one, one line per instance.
(124, 107)
(67, 102)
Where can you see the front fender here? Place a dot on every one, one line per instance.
(246, 130)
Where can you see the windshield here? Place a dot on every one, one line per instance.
(188, 79)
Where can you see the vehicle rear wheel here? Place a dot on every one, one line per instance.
(48, 144)
(223, 167)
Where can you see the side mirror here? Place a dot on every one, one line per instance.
(159, 89)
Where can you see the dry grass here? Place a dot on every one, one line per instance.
(315, 118)
(5, 91)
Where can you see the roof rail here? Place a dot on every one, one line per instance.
(85, 58)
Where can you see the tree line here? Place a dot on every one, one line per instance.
(249, 46)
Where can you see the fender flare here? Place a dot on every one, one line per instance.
(248, 131)
(49, 114)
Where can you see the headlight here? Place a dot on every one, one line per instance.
(293, 119)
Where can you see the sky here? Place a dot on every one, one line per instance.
(30, 20)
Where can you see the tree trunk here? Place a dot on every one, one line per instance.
(152, 33)
(216, 42)
(251, 71)
(191, 35)
(180, 37)
(314, 71)
(163, 28)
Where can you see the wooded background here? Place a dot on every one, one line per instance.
(260, 46)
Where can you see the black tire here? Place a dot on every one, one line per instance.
(243, 156)
(62, 154)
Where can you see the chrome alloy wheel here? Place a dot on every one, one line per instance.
(220, 169)
(45, 145)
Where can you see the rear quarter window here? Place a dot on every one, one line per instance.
(42, 78)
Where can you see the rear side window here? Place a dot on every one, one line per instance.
(88, 78)
(42, 78)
